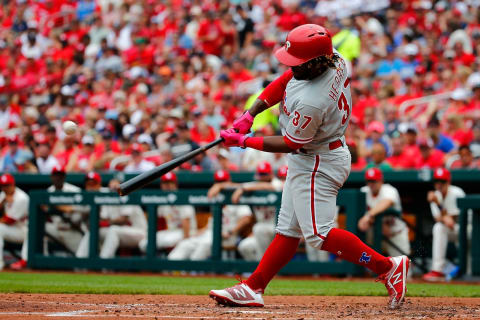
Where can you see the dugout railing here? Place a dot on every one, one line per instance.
(464, 246)
(352, 202)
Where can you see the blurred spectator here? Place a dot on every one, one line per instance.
(440, 141)
(465, 160)
(375, 130)
(138, 164)
(358, 163)
(13, 222)
(15, 157)
(45, 161)
(379, 158)
(430, 157)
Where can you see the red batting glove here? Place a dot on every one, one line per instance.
(233, 138)
(244, 123)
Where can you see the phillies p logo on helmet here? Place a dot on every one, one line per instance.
(287, 45)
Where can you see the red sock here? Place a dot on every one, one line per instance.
(349, 247)
(278, 254)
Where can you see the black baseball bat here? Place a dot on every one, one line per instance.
(149, 176)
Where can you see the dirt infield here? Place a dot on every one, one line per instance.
(75, 306)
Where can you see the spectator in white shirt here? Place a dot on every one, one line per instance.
(45, 160)
(138, 164)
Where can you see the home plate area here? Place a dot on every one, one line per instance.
(83, 306)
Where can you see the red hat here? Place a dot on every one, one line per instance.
(304, 43)
(92, 175)
(282, 172)
(58, 169)
(376, 126)
(221, 175)
(441, 174)
(6, 179)
(373, 174)
(169, 177)
(264, 167)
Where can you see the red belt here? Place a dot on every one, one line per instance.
(335, 144)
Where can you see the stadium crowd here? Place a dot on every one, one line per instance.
(151, 75)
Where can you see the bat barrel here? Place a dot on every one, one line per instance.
(145, 178)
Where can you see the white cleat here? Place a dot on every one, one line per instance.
(240, 295)
(395, 280)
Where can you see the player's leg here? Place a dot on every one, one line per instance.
(120, 236)
(315, 207)
(184, 249)
(82, 250)
(280, 251)
(249, 249)
(9, 234)
(203, 247)
(168, 238)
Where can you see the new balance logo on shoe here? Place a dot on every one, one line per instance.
(397, 278)
(240, 293)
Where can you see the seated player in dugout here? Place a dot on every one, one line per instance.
(13, 219)
(65, 221)
(381, 197)
(180, 221)
(235, 219)
(314, 113)
(443, 204)
(119, 226)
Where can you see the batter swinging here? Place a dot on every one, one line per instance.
(314, 113)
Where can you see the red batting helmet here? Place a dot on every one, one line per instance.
(169, 177)
(441, 174)
(305, 43)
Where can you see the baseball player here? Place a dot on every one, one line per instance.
(443, 204)
(181, 221)
(234, 219)
(64, 226)
(380, 197)
(314, 113)
(14, 214)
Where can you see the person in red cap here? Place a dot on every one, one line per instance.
(14, 214)
(138, 164)
(445, 212)
(382, 196)
(315, 111)
(181, 221)
(235, 219)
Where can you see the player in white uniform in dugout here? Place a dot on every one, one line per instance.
(314, 113)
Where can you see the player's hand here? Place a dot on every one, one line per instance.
(214, 190)
(233, 138)
(449, 222)
(244, 123)
(236, 195)
(431, 197)
(364, 223)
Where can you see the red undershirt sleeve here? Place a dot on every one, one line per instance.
(273, 93)
(291, 144)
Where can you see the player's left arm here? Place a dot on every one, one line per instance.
(301, 129)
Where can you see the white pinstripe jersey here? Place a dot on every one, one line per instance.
(315, 112)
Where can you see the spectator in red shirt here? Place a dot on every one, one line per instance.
(209, 34)
(431, 157)
(358, 162)
(411, 149)
(466, 160)
(398, 157)
(201, 132)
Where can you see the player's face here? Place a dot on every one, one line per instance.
(92, 185)
(441, 186)
(58, 180)
(8, 188)
(169, 186)
(374, 186)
